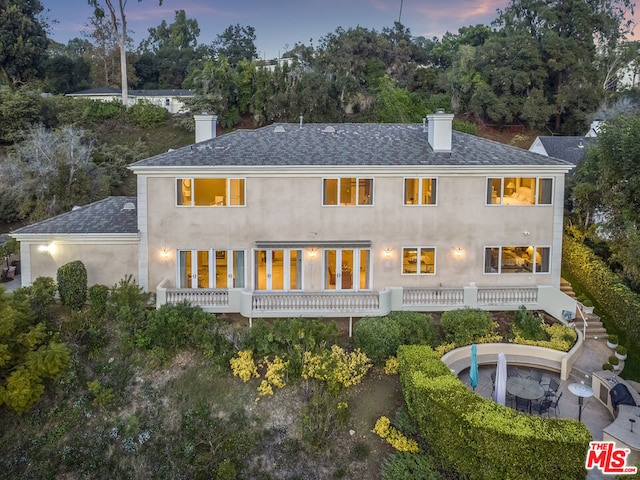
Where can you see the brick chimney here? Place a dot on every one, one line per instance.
(205, 126)
(439, 131)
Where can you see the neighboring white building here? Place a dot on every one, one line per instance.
(170, 99)
(326, 220)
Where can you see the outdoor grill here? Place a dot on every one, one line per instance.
(620, 395)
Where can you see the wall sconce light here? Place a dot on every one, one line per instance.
(526, 233)
(50, 248)
(387, 253)
(458, 252)
(313, 253)
(164, 253)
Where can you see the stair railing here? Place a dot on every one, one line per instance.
(584, 321)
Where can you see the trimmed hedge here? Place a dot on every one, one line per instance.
(72, 284)
(606, 287)
(481, 439)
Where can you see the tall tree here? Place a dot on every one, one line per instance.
(118, 22)
(235, 43)
(567, 33)
(23, 40)
(613, 167)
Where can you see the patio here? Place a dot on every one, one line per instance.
(595, 416)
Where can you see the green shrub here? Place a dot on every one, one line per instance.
(127, 304)
(98, 296)
(465, 326)
(404, 465)
(98, 112)
(607, 366)
(148, 115)
(173, 327)
(528, 325)
(72, 284)
(289, 339)
(613, 360)
(620, 350)
(612, 338)
(380, 337)
(43, 294)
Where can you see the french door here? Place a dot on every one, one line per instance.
(211, 269)
(278, 269)
(347, 269)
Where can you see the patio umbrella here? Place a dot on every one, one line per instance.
(473, 370)
(500, 392)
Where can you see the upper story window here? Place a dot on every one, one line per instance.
(418, 260)
(519, 191)
(512, 259)
(347, 191)
(420, 191)
(210, 191)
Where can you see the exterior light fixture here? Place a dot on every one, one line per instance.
(164, 253)
(458, 252)
(387, 253)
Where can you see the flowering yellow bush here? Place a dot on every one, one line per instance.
(393, 436)
(561, 338)
(336, 367)
(444, 348)
(391, 366)
(274, 376)
(243, 365)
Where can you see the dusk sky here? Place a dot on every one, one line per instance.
(283, 22)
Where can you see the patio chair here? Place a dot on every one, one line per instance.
(523, 405)
(535, 375)
(552, 388)
(542, 407)
(554, 405)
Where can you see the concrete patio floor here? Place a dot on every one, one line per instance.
(594, 415)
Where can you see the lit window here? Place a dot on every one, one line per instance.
(215, 192)
(519, 191)
(516, 259)
(418, 260)
(347, 191)
(420, 191)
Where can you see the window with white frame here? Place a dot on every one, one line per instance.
(519, 191)
(349, 191)
(214, 192)
(418, 260)
(420, 191)
(517, 259)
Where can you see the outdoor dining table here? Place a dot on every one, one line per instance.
(524, 388)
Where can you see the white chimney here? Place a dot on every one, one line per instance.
(439, 131)
(205, 126)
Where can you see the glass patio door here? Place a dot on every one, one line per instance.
(193, 269)
(211, 269)
(278, 269)
(347, 269)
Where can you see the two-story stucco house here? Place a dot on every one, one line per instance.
(326, 220)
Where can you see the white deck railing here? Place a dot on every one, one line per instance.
(433, 296)
(499, 296)
(356, 304)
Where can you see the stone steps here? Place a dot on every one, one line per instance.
(595, 329)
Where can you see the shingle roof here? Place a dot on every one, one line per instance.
(98, 91)
(107, 216)
(571, 149)
(168, 92)
(351, 144)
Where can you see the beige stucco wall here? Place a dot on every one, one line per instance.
(106, 264)
(290, 209)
